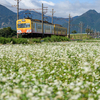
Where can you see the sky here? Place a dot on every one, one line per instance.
(62, 8)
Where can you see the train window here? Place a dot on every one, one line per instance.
(47, 27)
(39, 26)
(24, 25)
(56, 29)
(33, 25)
(52, 28)
(19, 21)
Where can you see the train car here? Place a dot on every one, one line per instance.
(59, 30)
(34, 27)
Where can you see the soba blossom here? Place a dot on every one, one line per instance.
(50, 71)
(17, 91)
(98, 91)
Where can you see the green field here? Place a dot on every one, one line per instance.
(80, 36)
(50, 71)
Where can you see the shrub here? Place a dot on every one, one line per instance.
(19, 41)
(36, 40)
(54, 38)
(5, 40)
(47, 39)
(13, 40)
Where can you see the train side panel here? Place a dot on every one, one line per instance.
(60, 30)
(37, 28)
(48, 29)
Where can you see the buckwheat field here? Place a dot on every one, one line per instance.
(50, 71)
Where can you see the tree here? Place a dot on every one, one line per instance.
(88, 30)
(7, 32)
(74, 31)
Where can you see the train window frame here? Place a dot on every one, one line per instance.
(24, 25)
(47, 27)
(39, 26)
(19, 22)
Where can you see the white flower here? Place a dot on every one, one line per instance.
(3, 94)
(23, 83)
(86, 63)
(12, 98)
(90, 98)
(34, 91)
(75, 97)
(60, 93)
(52, 72)
(86, 69)
(76, 89)
(79, 83)
(41, 94)
(23, 59)
(4, 79)
(29, 94)
(98, 91)
(17, 91)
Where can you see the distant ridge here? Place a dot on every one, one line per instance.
(7, 17)
(90, 18)
(5, 11)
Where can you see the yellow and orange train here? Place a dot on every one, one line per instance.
(30, 26)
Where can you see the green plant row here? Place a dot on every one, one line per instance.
(54, 38)
(18, 41)
(34, 40)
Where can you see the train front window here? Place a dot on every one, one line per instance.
(24, 25)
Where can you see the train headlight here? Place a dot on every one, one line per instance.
(29, 31)
(19, 31)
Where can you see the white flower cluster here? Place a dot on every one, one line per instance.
(50, 71)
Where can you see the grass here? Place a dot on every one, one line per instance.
(80, 36)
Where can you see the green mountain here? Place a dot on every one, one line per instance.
(5, 11)
(90, 19)
(7, 18)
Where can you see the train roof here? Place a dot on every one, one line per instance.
(37, 20)
(58, 25)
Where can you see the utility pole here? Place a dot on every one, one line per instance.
(43, 18)
(52, 14)
(42, 22)
(87, 30)
(69, 27)
(17, 10)
(95, 33)
(81, 28)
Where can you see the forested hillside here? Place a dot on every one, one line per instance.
(89, 19)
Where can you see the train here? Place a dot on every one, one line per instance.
(33, 27)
